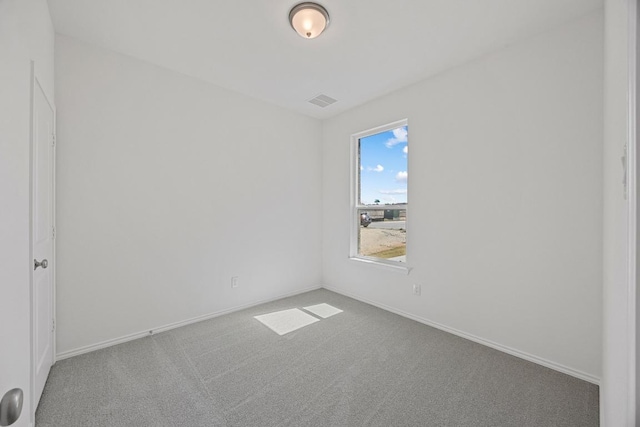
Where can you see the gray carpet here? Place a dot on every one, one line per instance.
(362, 367)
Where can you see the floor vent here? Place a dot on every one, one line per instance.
(322, 100)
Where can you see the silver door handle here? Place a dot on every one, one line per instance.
(44, 263)
(11, 407)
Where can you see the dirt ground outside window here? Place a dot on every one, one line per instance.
(382, 243)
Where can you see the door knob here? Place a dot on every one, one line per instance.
(11, 407)
(44, 263)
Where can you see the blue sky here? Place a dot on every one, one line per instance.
(383, 167)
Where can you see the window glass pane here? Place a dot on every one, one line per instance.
(382, 233)
(383, 168)
(382, 194)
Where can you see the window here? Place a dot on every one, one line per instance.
(379, 194)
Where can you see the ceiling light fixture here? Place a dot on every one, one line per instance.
(309, 19)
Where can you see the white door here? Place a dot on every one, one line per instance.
(15, 257)
(42, 234)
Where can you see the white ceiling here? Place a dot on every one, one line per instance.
(371, 47)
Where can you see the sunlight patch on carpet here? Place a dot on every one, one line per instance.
(285, 321)
(323, 310)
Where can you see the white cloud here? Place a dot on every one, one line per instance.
(378, 168)
(397, 191)
(399, 135)
(402, 176)
(361, 167)
(405, 150)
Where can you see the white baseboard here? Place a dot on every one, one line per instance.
(512, 351)
(523, 355)
(153, 331)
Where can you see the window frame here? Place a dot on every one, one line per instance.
(355, 204)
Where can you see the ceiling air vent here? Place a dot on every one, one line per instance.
(322, 100)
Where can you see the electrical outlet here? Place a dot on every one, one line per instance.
(234, 282)
(417, 289)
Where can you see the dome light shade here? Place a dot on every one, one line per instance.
(309, 19)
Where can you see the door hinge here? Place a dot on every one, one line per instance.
(53, 232)
(53, 325)
(624, 160)
(53, 139)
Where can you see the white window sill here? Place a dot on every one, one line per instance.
(387, 265)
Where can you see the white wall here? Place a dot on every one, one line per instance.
(615, 396)
(505, 194)
(26, 34)
(168, 187)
